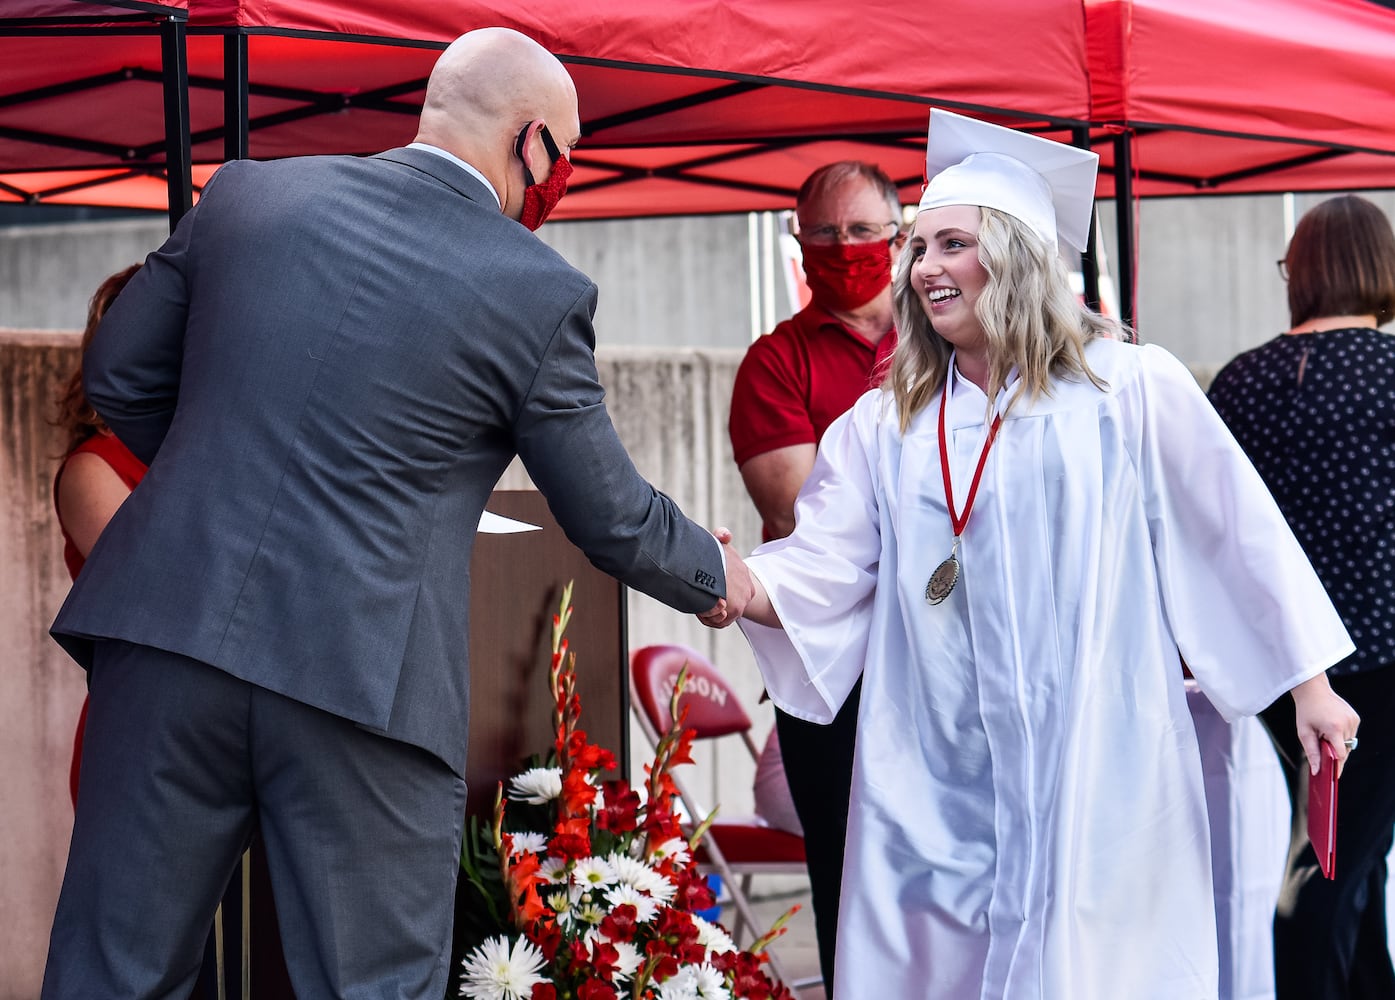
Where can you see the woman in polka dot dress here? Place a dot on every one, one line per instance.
(1315, 411)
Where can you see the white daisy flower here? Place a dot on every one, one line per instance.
(590, 913)
(627, 869)
(675, 848)
(682, 985)
(554, 870)
(493, 972)
(528, 843)
(646, 908)
(628, 962)
(695, 982)
(593, 873)
(712, 937)
(560, 900)
(537, 785)
(642, 877)
(711, 984)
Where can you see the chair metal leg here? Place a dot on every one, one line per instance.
(247, 924)
(219, 963)
(745, 916)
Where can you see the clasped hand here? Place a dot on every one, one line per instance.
(740, 586)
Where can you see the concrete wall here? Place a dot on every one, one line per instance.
(675, 282)
(40, 693)
(1207, 284)
(682, 282)
(47, 273)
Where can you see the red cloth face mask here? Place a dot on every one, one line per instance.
(540, 199)
(844, 276)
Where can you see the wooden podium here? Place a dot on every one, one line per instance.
(516, 583)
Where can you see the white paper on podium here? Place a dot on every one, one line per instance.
(494, 524)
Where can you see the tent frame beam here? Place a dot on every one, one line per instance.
(174, 60)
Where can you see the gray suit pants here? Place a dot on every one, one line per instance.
(181, 762)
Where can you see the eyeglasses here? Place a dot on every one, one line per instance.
(858, 232)
(1283, 268)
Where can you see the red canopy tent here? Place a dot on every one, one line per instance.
(701, 106)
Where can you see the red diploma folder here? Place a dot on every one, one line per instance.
(1322, 810)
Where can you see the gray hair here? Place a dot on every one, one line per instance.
(832, 175)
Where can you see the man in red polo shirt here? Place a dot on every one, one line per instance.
(791, 385)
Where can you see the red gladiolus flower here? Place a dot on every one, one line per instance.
(667, 965)
(570, 845)
(620, 814)
(577, 825)
(661, 825)
(604, 958)
(747, 978)
(588, 756)
(620, 923)
(683, 749)
(676, 928)
(693, 891)
(523, 882)
(543, 991)
(577, 793)
(594, 989)
(547, 936)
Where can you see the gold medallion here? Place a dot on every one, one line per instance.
(942, 581)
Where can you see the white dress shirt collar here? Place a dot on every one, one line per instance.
(460, 163)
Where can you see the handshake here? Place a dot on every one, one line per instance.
(745, 595)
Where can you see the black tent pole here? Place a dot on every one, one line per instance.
(1123, 200)
(1089, 259)
(174, 59)
(235, 126)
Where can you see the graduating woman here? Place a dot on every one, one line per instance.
(1010, 543)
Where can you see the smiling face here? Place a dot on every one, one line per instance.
(946, 275)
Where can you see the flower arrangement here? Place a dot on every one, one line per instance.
(603, 904)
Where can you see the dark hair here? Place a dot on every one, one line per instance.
(75, 414)
(1341, 262)
(831, 175)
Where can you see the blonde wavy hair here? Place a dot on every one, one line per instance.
(1030, 316)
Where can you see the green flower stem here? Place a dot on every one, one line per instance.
(776, 929)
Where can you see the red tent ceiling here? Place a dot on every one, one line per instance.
(695, 106)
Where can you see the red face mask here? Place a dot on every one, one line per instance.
(843, 276)
(540, 199)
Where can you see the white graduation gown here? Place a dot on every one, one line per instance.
(1028, 817)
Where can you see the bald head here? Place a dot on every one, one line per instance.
(486, 86)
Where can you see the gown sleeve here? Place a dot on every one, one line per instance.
(822, 578)
(1248, 612)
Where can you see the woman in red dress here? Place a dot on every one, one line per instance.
(97, 474)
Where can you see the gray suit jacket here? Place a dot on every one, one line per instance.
(328, 366)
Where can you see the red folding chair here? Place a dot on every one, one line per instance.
(736, 848)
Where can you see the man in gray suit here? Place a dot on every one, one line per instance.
(328, 365)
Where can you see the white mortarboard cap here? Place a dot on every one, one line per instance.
(1047, 185)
